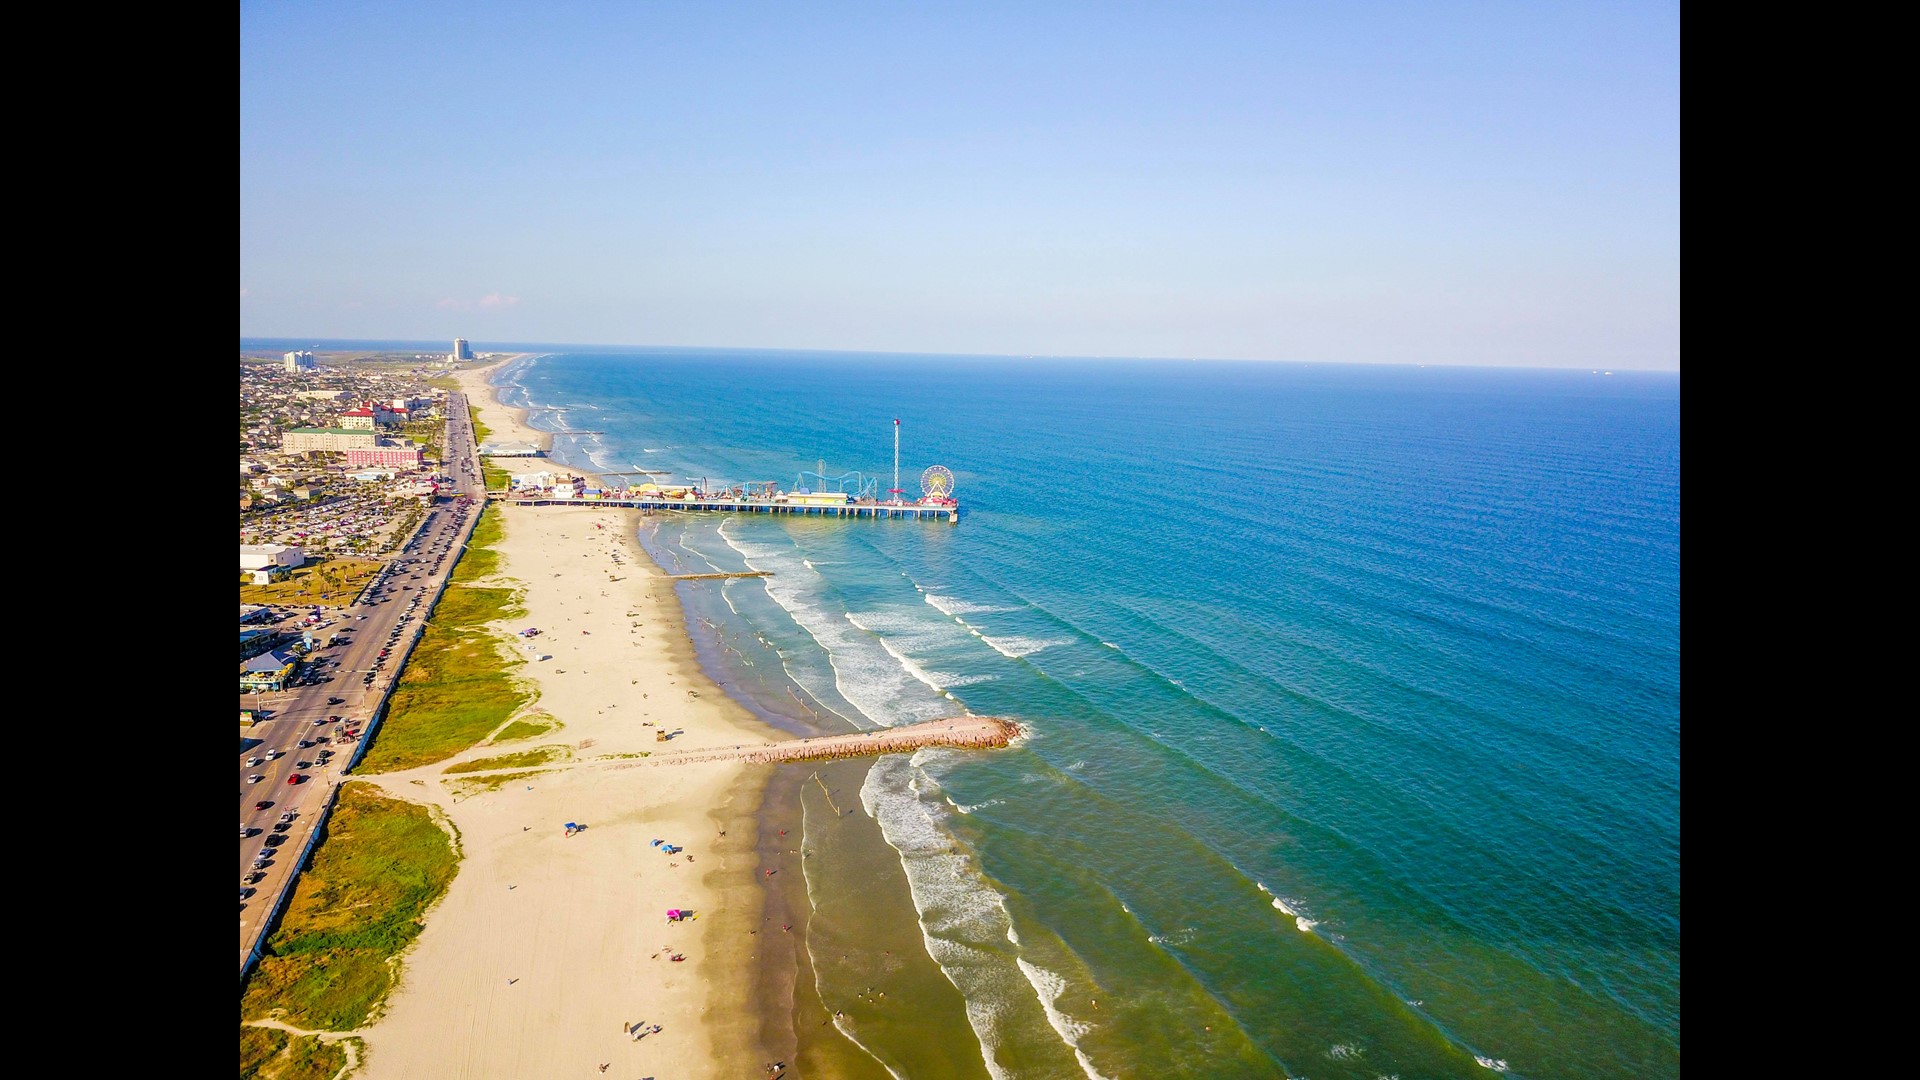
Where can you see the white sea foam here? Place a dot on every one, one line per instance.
(955, 904)
(846, 1028)
(955, 607)
(951, 679)
(913, 669)
(1496, 1064)
(1304, 924)
(1048, 987)
(1344, 1051)
(1014, 648)
(976, 806)
(866, 673)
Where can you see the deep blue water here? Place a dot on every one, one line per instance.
(1355, 691)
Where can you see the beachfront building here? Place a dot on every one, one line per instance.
(530, 480)
(461, 351)
(390, 453)
(309, 440)
(506, 449)
(298, 361)
(255, 640)
(267, 672)
(261, 556)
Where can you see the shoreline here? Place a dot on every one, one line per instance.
(546, 939)
(759, 972)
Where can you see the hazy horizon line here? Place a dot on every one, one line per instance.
(526, 346)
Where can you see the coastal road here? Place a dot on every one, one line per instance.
(387, 616)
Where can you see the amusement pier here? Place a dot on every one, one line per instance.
(851, 495)
(804, 503)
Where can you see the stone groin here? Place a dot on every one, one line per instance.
(970, 733)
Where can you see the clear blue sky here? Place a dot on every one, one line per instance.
(1445, 183)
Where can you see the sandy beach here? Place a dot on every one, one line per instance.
(551, 949)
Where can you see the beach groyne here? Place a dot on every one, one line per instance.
(965, 733)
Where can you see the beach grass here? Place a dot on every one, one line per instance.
(493, 476)
(480, 560)
(466, 787)
(526, 729)
(539, 755)
(383, 864)
(272, 1054)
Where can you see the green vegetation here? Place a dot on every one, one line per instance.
(470, 786)
(383, 864)
(493, 476)
(333, 583)
(457, 686)
(272, 1054)
(481, 432)
(526, 729)
(539, 755)
(480, 561)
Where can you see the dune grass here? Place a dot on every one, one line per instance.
(272, 1054)
(328, 966)
(539, 755)
(468, 786)
(526, 729)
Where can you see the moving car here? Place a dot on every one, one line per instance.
(263, 804)
(255, 778)
(296, 778)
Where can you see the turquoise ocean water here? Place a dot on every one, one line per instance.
(1354, 691)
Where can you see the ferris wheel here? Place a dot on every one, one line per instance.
(937, 482)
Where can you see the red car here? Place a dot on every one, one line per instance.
(296, 778)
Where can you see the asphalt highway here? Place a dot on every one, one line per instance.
(387, 616)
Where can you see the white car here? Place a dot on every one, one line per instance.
(253, 763)
(271, 754)
(255, 778)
